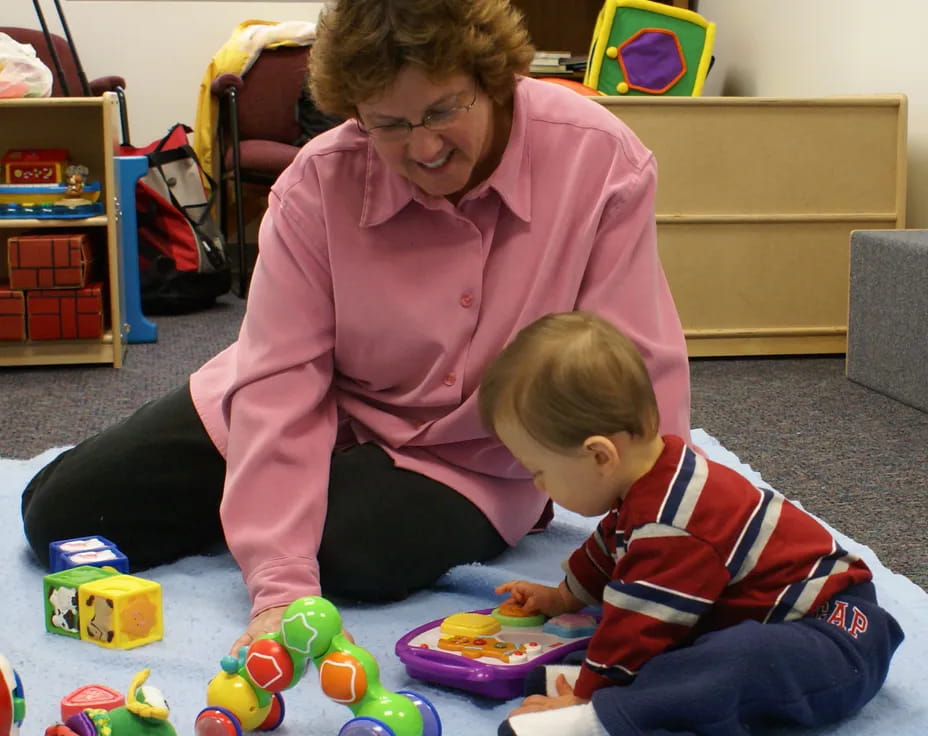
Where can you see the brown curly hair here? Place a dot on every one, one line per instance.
(361, 45)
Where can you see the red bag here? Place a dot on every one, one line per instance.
(183, 265)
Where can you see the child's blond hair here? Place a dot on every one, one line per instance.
(569, 376)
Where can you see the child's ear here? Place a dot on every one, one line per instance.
(603, 450)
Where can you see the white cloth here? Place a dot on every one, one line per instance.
(22, 73)
(255, 38)
(577, 720)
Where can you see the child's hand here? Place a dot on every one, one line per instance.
(565, 697)
(533, 597)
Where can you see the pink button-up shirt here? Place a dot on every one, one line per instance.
(375, 308)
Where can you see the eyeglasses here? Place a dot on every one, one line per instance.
(434, 120)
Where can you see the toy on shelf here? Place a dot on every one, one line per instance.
(648, 48)
(47, 210)
(52, 295)
(49, 261)
(245, 695)
(145, 711)
(104, 606)
(490, 652)
(35, 166)
(12, 316)
(12, 700)
(40, 183)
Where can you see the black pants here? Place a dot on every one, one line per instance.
(152, 484)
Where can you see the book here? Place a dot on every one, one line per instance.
(576, 63)
(555, 55)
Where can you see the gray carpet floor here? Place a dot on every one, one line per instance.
(853, 457)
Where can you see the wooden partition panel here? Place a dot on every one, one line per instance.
(756, 201)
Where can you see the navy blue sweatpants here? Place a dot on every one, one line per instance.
(808, 672)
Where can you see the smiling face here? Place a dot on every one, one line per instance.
(584, 480)
(446, 162)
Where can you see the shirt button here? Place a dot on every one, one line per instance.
(450, 379)
(467, 299)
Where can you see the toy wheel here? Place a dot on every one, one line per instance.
(366, 727)
(215, 721)
(431, 723)
(276, 714)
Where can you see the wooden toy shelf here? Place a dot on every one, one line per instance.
(756, 201)
(88, 128)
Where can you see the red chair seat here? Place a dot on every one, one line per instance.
(263, 157)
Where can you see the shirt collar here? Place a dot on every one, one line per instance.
(512, 178)
(387, 193)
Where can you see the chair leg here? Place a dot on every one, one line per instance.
(243, 275)
(222, 187)
(222, 182)
(123, 116)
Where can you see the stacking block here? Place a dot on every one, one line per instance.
(65, 314)
(61, 598)
(90, 696)
(887, 339)
(12, 315)
(120, 612)
(97, 551)
(49, 261)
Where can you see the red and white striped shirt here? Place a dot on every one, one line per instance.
(695, 547)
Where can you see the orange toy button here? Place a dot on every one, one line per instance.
(515, 610)
(342, 678)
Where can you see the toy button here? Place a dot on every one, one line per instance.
(450, 379)
(477, 648)
(467, 300)
(470, 624)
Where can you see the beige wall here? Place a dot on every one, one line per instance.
(809, 48)
(161, 47)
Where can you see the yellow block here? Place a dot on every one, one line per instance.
(121, 612)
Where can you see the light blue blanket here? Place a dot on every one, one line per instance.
(205, 606)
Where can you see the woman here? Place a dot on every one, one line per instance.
(338, 437)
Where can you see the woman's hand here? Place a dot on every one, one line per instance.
(534, 597)
(266, 622)
(565, 697)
